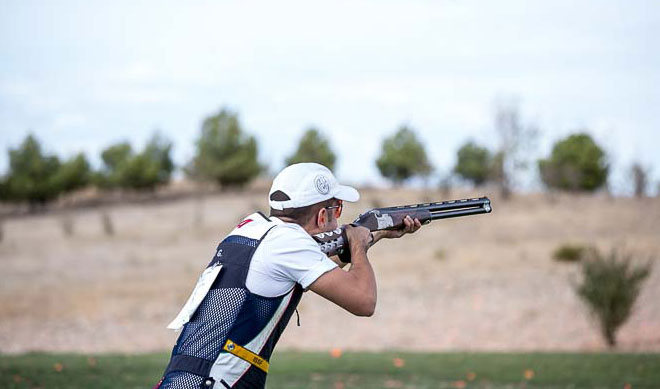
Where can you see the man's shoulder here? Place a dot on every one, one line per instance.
(290, 237)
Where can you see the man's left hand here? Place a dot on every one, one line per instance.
(410, 226)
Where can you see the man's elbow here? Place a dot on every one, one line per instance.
(367, 312)
(365, 309)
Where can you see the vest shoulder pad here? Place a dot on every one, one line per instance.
(253, 226)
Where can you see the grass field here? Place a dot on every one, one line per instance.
(355, 370)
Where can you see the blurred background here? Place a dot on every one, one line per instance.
(136, 134)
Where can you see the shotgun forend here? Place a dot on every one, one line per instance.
(391, 218)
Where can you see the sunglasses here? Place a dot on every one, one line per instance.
(336, 209)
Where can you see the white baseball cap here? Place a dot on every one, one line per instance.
(303, 184)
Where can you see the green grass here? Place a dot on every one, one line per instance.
(354, 370)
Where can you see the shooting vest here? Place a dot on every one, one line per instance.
(228, 333)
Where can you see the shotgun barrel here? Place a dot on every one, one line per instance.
(446, 209)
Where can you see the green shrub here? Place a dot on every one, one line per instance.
(569, 253)
(609, 287)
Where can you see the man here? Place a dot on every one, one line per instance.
(250, 289)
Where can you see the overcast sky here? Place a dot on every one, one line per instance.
(84, 74)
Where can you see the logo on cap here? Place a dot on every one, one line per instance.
(322, 185)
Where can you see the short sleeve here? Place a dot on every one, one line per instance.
(293, 255)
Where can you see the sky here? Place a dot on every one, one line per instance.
(82, 75)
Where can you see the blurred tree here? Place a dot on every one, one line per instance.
(403, 156)
(158, 151)
(498, 174)
(576, 163)
(640, 179)
(73, 174)
(224, 153)
(116, 154)
(143, 171)
(4, 189)
(313, 147)
(473, 163)
(114, 157)
(139, 172)
(31, 174)
(516, 140)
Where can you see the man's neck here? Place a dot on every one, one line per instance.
(309, 228)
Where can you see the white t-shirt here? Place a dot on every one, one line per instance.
(287, 255)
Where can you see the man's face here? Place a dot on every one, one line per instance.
(333, 213)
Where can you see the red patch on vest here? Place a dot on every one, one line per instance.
(244, 222)
(159, 383)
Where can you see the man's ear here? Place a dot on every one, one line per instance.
(321, 218)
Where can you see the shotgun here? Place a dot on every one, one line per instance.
(391, 218)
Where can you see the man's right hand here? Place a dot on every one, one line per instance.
(358, 238)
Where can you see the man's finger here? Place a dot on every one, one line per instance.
(410, 224)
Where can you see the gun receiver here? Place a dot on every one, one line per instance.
(391, 218)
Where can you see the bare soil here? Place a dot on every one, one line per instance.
(485, 282)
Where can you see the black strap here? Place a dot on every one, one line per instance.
(189, 364)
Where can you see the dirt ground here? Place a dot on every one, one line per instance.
(484, 282)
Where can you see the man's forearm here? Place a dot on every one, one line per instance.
(364, 276)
